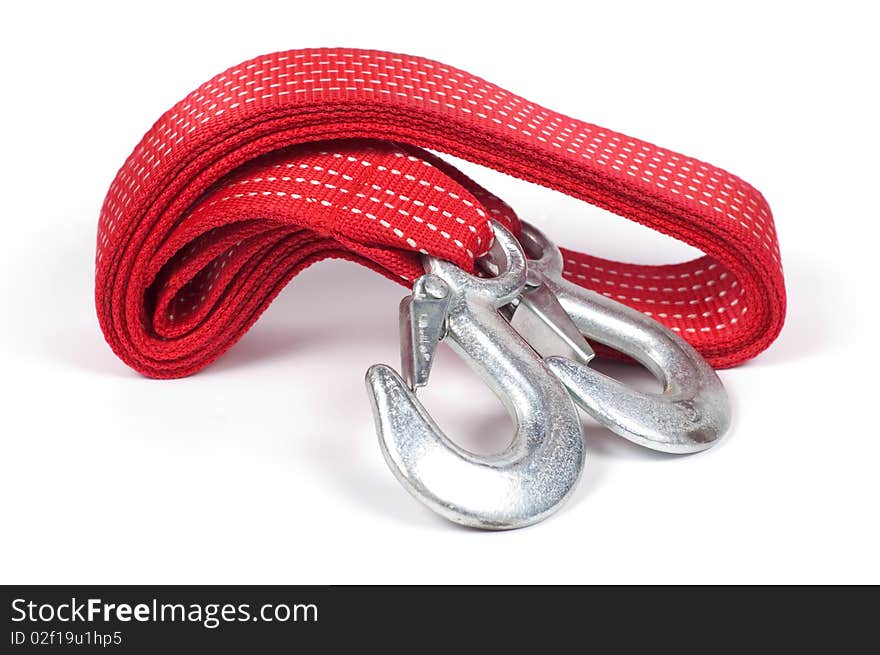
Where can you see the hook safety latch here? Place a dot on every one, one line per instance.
(422, 326)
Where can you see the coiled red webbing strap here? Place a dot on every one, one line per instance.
(301, 155)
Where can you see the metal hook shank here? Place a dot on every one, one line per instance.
(690, 415)
(536, 473)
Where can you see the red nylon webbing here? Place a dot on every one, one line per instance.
(301, 155)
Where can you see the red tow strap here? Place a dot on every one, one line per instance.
(297, 156)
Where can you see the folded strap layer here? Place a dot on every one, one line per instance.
(302, 155)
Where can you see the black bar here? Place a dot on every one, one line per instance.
(263, 619)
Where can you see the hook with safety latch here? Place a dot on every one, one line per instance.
(537, 472)
(553, 314)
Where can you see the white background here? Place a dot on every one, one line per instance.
(264, 468)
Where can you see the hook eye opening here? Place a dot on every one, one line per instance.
(533, 244)
(543, 255)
